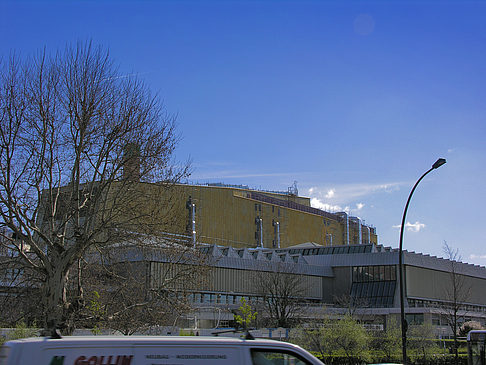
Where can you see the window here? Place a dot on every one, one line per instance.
(382, 273)
(387, 272)
(436, 319)
(415, 319)
(275, 357)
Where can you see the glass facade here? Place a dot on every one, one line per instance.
(374, 286)
(332, 250)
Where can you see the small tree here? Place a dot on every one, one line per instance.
(336, 337)
(389, 342)
(346, 336)
(282, 290)
(311, 336)
(456, 292)
(421, 341)
(21, 330)
(247, 316)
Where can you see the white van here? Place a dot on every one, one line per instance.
(144, 350)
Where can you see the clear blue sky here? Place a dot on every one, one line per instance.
(354, 100)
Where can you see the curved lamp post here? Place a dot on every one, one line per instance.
(404, 324)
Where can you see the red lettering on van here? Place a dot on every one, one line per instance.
(126, 360)
(104, 360)
(80, 361)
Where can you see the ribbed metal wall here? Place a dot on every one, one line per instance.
(226, 280)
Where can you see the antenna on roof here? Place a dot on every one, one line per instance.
(292, 190)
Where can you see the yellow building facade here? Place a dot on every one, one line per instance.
(241, 217)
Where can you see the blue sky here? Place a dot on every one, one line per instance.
(354, 100)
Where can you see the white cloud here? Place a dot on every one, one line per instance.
(412, 227)
(351, 192)
(330, 194)
(342, 197)
(317, 203)
(474, 256)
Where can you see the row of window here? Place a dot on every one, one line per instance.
(374, 294)
(332, 250)
(420, 303)
(212, 298)
(374, 273)
(229, 299)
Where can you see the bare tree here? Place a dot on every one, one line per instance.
(456, 292)
(282, 289)
(19, 288)
(77, 138)
(133, 293)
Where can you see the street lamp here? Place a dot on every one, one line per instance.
(404, 324)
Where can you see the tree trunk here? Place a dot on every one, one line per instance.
(55, 302)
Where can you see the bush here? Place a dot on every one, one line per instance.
(20, 331)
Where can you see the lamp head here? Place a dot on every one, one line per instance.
(439, 163)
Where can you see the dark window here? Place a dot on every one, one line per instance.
(382, 273)
(366, 273)
(276, 357)
(387, 273)
(375, 287)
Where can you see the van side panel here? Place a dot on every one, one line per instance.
(184, 354)
(142, 355)
(84, 355)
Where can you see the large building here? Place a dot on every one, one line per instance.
(362, 278)
(237, 216)
(247, 236)
(336, 257)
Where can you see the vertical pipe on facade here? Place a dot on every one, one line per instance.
(278, 234)
(369, 234)
(193, 223)
(261, 232)
(360, 232)
(347, 228)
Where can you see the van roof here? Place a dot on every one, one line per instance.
(146, 340)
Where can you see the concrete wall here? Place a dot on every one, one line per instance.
(431, 284)
(337, 287)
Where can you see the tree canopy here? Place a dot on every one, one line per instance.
(77, 138)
